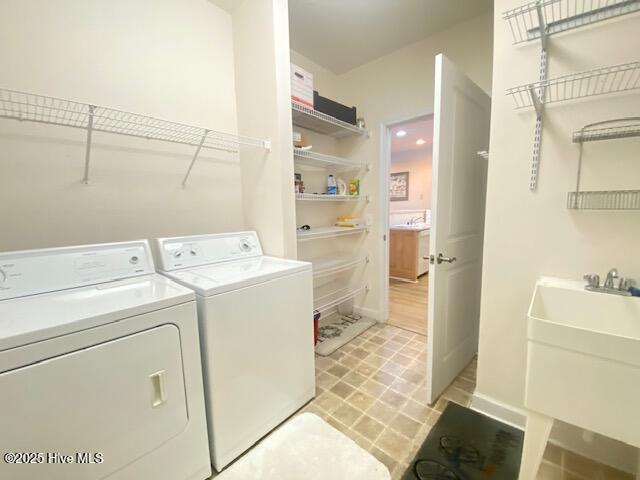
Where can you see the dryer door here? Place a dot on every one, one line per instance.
(120, 399)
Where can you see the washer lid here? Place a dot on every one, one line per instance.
(217, 278)
(39, 317)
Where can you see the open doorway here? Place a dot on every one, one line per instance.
(410, 180)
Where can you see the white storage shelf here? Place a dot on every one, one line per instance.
(317, 233)
(315, 159)
(319, 122)
(544, 18)
(325, 266)
(321, 197)
(29, 107)
(335, 298)
(600, 81)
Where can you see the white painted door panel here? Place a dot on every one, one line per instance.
(122, 398)
(461, 129)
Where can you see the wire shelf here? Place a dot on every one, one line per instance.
(316, 121)
(322, 197)
(324, 266)
(315, 159)
(329, 232)
(604, 200)
(601, 81)
(335, 298)
(29, 107)
(607, 130)
(543, 18)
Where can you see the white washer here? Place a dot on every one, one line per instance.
(99, 355)
(256, 333)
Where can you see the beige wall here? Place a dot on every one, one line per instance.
(169, 59)
(418, 164)
(532, 234)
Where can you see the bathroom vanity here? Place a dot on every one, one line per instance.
(408, 251)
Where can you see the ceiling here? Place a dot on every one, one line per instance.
(416, 129)
(343, 34)
(228, 5)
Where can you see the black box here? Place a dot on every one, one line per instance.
(335, 109)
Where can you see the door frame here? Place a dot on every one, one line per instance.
(384, 205)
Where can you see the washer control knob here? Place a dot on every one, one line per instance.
(245, 246)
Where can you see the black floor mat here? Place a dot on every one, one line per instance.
(466, 445)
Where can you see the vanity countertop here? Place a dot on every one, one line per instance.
(418, 227)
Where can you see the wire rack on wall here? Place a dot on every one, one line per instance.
(600, 81)
(618, 128)
(320, 122)
(627, 128)
(541, 20)
(537, 19)
(22, 106)
(604, 200)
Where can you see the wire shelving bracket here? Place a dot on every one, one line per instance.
(30, 107)
(618, 128)
(540, 20)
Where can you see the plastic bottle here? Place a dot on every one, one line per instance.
(331, 185)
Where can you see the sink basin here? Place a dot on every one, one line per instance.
(414, 226)
(583, 362)
(564, 314)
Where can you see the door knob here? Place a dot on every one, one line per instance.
(441, 258)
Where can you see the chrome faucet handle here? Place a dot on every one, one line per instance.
(611, 276)
(626, 284)
(593, 279)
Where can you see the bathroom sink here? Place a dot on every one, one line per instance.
(414, 226)
(583, 358)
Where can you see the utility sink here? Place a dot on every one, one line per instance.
(583, 365)
(564, 314)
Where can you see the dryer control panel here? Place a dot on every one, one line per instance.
(31, 272)
(180, 252)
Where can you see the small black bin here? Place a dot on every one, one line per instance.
(335, 109)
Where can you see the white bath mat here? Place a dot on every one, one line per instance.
(306, 447)
(336, 330)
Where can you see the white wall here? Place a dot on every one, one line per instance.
(164, 58)
(261, 42)
(418, 164)
(532, 234)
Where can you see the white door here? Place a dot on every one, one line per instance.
(461, 129)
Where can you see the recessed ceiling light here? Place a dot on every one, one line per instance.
(400, 133)
(420, 141)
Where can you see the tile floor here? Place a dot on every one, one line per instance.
(373, 390)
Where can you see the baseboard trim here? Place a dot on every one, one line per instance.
(609, 452)
(368, 312)
(499, 411)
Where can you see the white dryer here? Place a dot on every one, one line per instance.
(100, 373)
(256, 334)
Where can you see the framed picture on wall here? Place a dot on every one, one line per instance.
(399, 187)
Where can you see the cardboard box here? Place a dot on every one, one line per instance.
(301, 86)
(299, 140)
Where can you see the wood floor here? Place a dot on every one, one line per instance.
(408, 304)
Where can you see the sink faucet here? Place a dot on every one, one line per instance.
(611, 276)
(624, 284)
(413, 219)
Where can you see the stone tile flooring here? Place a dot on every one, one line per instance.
(373, 390)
